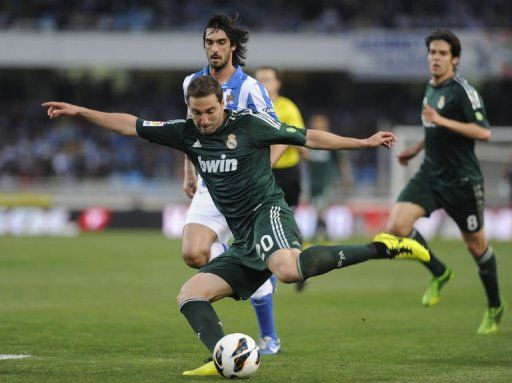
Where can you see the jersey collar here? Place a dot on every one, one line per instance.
(448, 81)
(233, 81)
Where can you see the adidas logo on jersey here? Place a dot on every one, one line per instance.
(197, 144)
(218, 166)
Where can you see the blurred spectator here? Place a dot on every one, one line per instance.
(324, 16)
(74, 150)
(325, 169)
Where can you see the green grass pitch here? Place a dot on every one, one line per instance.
(101, 308)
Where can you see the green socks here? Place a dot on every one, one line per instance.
(318, 260)
(204, 321)
(436, 267)
(489, 276)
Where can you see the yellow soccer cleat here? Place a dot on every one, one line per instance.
(402, 248)
(207, 369)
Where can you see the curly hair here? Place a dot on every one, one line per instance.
(237, 36)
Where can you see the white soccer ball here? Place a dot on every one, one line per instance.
(236, 356)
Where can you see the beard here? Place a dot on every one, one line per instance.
(219, 65)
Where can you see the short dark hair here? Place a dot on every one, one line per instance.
(237, 36)
(449, 37)
(203, 86)
(273, 69)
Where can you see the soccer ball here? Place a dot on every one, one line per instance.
(236, 356)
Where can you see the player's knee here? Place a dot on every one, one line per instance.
(287, 274)
(196, 257)
(476, 248)
(283, 265)
(182, 297)
(187, 293)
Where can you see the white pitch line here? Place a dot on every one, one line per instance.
(13, 356)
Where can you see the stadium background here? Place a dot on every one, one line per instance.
(363, 64)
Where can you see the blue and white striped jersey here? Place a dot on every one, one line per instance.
(240, 92)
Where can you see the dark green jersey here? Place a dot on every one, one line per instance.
(234, 161)
(449, 155)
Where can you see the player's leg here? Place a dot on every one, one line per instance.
(485, 259)
(205, 232)
(194, 301)
(221, 277)
(263, 299)
(292, 265)
(277, 243)
(465, 205)
(418, 199)
(263, 303)
(196, 244)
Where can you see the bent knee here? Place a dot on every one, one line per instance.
(186, 294)
(196, 257)
(287, 274)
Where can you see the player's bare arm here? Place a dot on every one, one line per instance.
(411, 152)
(468, 129)
(189, 175)
(121, 123)
(317, 139)
(189, 178)
(276, 151)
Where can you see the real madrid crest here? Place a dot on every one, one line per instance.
(231, 142)
(440, 103)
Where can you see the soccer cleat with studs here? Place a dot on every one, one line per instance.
(402, 248)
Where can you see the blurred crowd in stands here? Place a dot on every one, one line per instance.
(32, 146)
(325, 16)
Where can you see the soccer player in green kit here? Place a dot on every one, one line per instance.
(450, 177)
(231, 151)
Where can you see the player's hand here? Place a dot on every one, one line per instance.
(58, 109)
(430, 115)
(407, 155)
(386, 139)
(190, 185)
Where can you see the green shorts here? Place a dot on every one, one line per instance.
(462, 200)
(244, 266)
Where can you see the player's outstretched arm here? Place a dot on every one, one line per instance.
(317, 139)
(121, 123)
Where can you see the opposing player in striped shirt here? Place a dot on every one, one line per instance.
(206, 232)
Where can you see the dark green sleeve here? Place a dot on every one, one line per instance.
(167, 133)
(472, 106)
(265, 133)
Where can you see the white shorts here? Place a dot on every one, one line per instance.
(203, 211)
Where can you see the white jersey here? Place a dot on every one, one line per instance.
(240, 92)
